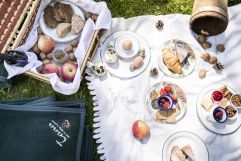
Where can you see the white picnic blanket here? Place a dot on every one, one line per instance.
(103, 22)
(118, 103)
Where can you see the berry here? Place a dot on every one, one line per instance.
(174, 97)
(163, 100)
(168, 89)
(166, 105)
(219, 114)
(162, 92)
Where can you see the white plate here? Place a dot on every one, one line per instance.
(124, 53)
(221, 128)
(183, 138)
(186, 69)
(181, 102)
(121, 68)
(52, 32)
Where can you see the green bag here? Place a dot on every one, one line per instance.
(4, 82)
(41, 133)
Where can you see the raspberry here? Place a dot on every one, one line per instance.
(162, 92)
(163, 100)
(219, 114)
(168, 89)
(166, 105)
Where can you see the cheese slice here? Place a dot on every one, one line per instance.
(207, 103)
(223, 102)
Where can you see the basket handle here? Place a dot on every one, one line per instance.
(91, 51)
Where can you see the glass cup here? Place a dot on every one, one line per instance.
(60, 57)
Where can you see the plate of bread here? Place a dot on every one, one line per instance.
(63, 21)
(166, 102)
(218, 110)
(176, 58)
(184, 146)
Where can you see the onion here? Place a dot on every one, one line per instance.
(46, 44)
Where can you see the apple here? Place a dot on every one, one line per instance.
(140, 129)
(50, 68)
(68, 71)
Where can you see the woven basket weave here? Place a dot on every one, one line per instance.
(17, 18)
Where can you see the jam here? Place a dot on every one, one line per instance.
(220, 115)
(217, 96)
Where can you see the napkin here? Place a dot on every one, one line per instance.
(35, 132)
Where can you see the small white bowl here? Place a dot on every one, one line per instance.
(232, 98)
(211, 116)
(235, 116)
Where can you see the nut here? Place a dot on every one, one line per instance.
(50, 56)
(46, 61)
(202, 73)
(72, 57)
(206, 45)
(94, 17)
(36, 49)
(74, 43)
(206, 56)
(68, 49)
(213, 59)
(39, 30)
(74, 49)
(231, 111)
(236, 100)
(201, 39)
(42, 56)
(220, 48)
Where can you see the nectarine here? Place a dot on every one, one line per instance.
(140, 129)
(50, 68)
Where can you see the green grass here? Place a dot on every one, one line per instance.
(24, 87)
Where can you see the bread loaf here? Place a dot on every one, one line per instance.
(63, 29)
(77, 24)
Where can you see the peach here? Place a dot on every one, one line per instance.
(46, 44)
(50, 68)
(140, 129)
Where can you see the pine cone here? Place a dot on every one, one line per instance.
(218, 66)
(142, 53)
(154, 72)
(159, 24)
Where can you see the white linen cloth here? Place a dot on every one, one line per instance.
(118, 103)
(103, 22)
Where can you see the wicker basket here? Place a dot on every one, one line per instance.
(22, 26)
